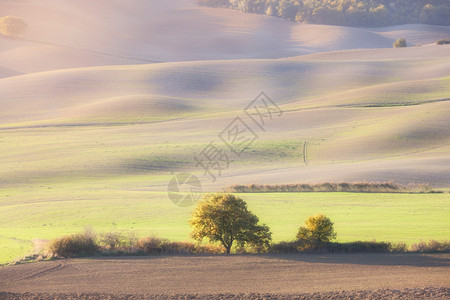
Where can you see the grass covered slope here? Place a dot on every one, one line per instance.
(218, 86)
(385, 113)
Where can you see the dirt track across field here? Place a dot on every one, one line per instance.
(256, 276)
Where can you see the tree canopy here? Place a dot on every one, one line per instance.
(225, 218)
(318, 230)
(400, 43)
(359, 13)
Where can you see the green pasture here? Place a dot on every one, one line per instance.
(45, 212)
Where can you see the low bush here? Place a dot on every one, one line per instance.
(151, 245)
(118, 240)
(398, 247)
(400, 43)
(350, 247)
(359, 246)
(154, 245)
(443, 42)
(209, 249)
(285, 247)
(431, 247)
(73, 245)
(181, 248)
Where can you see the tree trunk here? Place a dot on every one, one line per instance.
(227, 245)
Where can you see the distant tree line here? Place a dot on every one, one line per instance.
(360, 13)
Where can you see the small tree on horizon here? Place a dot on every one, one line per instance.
(317, 231)
(400, 43)
(12, 26)
(225, 218)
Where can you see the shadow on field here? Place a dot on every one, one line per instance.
(370, 259)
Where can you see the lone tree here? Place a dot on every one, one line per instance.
(12, 26)
(400, 43)
(318, 230)
(225, 218)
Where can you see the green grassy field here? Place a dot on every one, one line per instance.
(384, 217)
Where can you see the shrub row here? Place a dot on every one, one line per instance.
(118, 243)
(431, 246)
(85, 244)
(443, 42)
(360, 187)
(154, 245)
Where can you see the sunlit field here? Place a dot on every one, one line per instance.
(106, 207)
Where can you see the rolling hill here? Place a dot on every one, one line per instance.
(68, 34)
(367, 110)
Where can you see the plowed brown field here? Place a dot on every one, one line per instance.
(376, 276)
